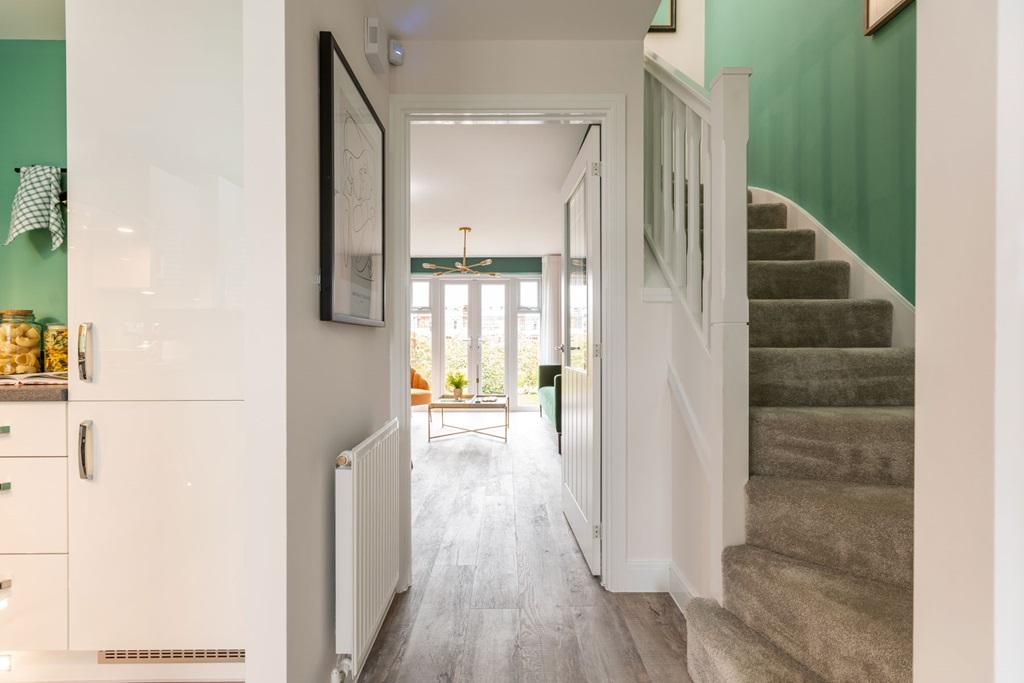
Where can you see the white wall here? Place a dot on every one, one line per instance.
(969, 558)
(683, 49)
(317, 388)
(601, 67)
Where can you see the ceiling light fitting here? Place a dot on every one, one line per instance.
(462, 267)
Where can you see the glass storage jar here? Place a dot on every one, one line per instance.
(21, 342)
(55, 348)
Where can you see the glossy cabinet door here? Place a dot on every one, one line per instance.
(156, 523)
(155, 238)
(33, 602)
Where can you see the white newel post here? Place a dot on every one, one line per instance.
(730, 107)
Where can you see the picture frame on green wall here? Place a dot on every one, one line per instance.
(878, 12)
(665, 18)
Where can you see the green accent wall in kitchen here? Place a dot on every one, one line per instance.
(832, 117)
(33, 130)
(512, 265)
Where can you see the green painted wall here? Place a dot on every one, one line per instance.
(832, 117)
(33, 130)
(513, 265)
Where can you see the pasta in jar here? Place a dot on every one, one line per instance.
(21, 343)
(55, 348)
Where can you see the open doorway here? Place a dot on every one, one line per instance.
(488, 533)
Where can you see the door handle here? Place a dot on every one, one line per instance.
(560, 348)
(85, 450)
(84, 333)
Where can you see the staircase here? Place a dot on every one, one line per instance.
(822, 589)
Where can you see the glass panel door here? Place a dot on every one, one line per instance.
(491, 369)
(456, 331)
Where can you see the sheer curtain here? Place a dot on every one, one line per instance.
(551, 309)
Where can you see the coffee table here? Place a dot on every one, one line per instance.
(468, 404)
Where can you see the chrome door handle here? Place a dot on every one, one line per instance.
(84, 332)
(85, 450)
(560, 348)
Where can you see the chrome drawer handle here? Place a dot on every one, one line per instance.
(5, 429)
(84, 330)
(5, 486)
(85, 450)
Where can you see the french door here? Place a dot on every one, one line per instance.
(476, 333)
(581, 363)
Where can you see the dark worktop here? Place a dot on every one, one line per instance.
(47, 392)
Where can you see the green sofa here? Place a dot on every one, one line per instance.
(549, 395)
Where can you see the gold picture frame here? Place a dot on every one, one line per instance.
(877, 13)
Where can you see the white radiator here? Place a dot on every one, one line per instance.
(366, 541)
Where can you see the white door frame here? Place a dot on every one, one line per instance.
(610, 112)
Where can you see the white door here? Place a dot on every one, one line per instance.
(156, 521)
(156, 246)
(581, 364)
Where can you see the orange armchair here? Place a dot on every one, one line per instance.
(419, 389)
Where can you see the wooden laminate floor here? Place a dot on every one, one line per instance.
(500, 591)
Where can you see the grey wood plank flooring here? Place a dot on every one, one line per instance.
(500, 589)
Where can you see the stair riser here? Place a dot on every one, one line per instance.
(863, 445)
(841, 627)
(798, 280)
(865, 531)
(832, 324)
(780, 245)
(831, 377)
(766, 216)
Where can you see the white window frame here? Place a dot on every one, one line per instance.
(512, 310)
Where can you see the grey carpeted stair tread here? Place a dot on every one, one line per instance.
(841, 627)
(780, 245)
(766, 216)
(728, 650)
(831, 377)
(831, 323)
(798, 280)
(865, 445)
(860, 529)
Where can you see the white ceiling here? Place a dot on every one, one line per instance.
(31, 19)
(503, 181)
(518, 19)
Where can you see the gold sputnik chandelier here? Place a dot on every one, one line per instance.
(462, 267)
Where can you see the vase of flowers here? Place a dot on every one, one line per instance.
(457, 381)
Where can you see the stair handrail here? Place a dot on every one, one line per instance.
(695, 144)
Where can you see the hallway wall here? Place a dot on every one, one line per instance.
(470, 67)
(683, 49)
(832, 117)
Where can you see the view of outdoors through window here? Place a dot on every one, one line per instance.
(456, 330)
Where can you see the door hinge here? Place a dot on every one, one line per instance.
(597, 350)
(597, 531)
(595, 169)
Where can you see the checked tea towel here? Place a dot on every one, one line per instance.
(37, 204)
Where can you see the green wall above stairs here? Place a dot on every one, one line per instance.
(832, 117)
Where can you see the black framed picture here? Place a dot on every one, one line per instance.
(665, 18)
(351, 195)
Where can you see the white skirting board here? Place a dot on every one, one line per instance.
(646, 576)
(865, 283)
(678, 587)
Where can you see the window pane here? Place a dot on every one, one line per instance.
(456, 329)
(492, 339)
(527, 357)
(528, 294)
(420, 352)
(421, 294)
(577, 270)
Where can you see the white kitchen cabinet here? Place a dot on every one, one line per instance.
(155, 236)
(33, 602)
(156, 551)
(33, 505)
(32, 429)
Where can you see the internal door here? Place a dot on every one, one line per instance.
(581, 364)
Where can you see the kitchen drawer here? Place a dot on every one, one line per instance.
(33, 429)
(33, 505)
(35, 613)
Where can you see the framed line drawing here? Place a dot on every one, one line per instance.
(878, 12)
(351, 195)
